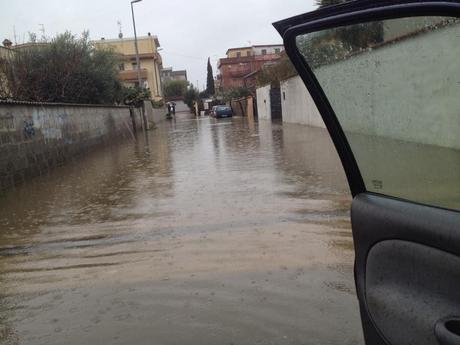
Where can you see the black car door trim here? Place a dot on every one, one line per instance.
(349, 13)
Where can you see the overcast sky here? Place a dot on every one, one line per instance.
(189, 31)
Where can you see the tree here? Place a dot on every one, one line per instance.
(133, 96)
(210, 87)
(272, 74)
(335, 44)
(191, 95)
(66, 69)
(175, 88)
(235, 93)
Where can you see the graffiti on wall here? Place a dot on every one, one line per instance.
(29, 129)
(49, 124)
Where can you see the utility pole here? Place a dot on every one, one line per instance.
(138, 63)
(136, 46)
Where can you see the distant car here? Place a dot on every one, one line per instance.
(221, 111)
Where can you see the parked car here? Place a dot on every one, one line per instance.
(222, 111)
(384, 76)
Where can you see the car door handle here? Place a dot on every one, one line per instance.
(447, 331)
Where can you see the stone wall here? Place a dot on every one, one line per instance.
(35, 137)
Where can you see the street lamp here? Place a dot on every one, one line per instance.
(139, 79)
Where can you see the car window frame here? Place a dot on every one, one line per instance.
(348, 14)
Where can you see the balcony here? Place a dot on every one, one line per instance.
(131, 75)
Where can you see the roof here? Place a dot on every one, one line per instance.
(240, 48)
(268, 45)
(114, 40)
(29, 45)
(179, 72)
(246, 59)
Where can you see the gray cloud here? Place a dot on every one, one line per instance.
(189, 31)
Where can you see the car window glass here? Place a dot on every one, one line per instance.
(395, 88)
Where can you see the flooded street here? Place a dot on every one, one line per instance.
(211, 232)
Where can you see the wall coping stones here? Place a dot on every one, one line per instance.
(14, 102)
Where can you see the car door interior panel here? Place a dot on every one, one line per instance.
(408, 274)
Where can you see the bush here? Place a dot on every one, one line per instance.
(133, 96)
(158, 104)
(191, 95)
(66, 69)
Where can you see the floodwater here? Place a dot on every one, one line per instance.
(211, 232)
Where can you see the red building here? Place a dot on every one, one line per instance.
(239, 68)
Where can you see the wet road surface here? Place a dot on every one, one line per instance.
(212, 232)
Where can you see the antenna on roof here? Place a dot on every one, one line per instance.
(42, 30)
(120, 33)
(15, 37)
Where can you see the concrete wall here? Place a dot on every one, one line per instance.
(154, 115)
(407, 90)
(36, 137)
(263, 103)
(297, 105)
(404, 91)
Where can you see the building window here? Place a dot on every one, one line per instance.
(264, 51)
(248, 53)
(238, 54)
(134, 64)
(121, 67)
(277, 50)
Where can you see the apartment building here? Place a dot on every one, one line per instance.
(150, 61)
(168, 74)
(239, 68)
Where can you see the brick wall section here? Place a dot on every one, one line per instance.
(35, 137)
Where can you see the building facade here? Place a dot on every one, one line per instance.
(239, 68)
(150, 61)
(168, 74)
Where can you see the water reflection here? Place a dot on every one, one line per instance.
(212, 232)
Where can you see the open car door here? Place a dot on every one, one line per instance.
(385, 76)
